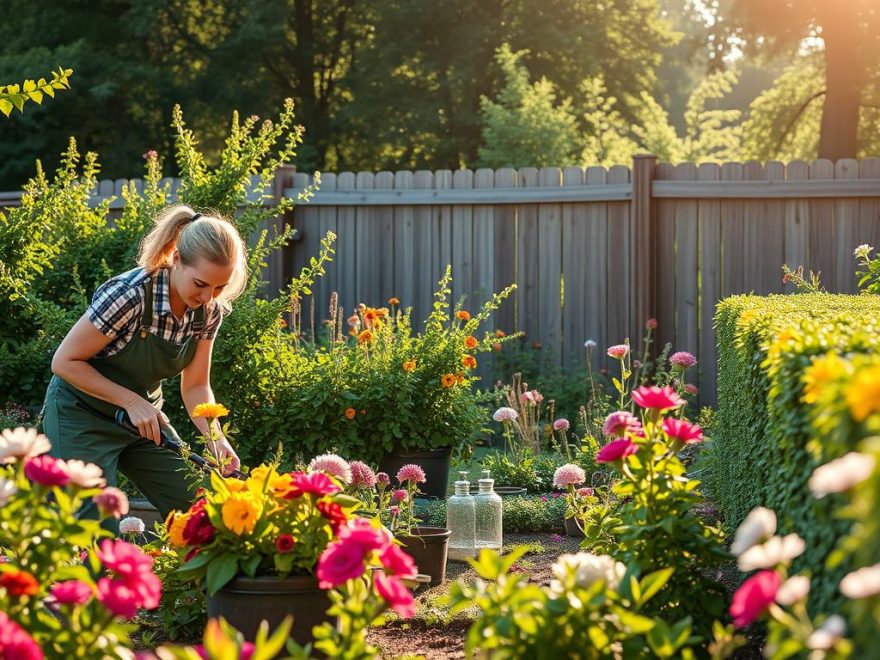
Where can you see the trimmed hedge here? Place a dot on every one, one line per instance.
(522, 514)
(766, 445)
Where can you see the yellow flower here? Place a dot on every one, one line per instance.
(409, 366)
(863, 393)
(240, 512)
(211, 410)
(235, 485)
(280, 485)
(259, 473)
(175, 524)
(447, 380)
(460, 379)
(824, 369)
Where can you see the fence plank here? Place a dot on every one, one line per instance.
(797, 221)
(770, 235)
(846, 213)
(666, 210)
(462, 241)
(732, 211)
(527, 261)
(869, 209)
(686, 324)
(306, 219)
(710, 290)
(403, 257)
(483, 285)
(753, 260)
(327, 222)
(619, 266)
(505, 251)
(573, 273)
(384, 181)
(596, 255)
(823, 227)
(346, 248)
(550, 271)
(425, 236)
(369, 236)
(441, 255)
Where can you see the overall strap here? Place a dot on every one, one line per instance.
(147, 316)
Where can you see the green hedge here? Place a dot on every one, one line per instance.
(522, 514)
(766, 446)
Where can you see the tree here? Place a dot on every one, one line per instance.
(850, 32)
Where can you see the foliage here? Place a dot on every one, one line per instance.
(221, 642)
(69, 596)
(534, 473)
(13, 415)
(762, 430)
(15, 96)
(522, 514)
(182, 608)
(869, 278)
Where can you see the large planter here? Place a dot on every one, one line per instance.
(145, 511)
(572, 529)
(435, 463)
(246, 601)
(428, 546)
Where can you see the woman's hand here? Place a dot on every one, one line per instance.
(225, 455)
(147, 418)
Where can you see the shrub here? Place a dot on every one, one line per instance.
(762, 431)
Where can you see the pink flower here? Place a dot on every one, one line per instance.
(399, 495)
(395, 510)
(112, 502)
(754, 596)
(71, 592)
(657, 398)
(412, 473)
(361, 532)
(15, 641)
(383, 479)
(682, 360)
(395, 593)
(362, 475)
(150, 155)
(334, 465)
(118, 597)
(124, 559)
(569, 475)
(397, 561)
(616, 450)
(339, 563)
(505, 414)
(691, 389)
(246, 653)
(561, 424)
(544, 498)
(651, 324)
(618, 423)
(618, 351)
(585, 492)
(46, 471)
(681, 429)
(316, 483)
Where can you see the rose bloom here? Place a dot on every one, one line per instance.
(862, 583)
(412, 473)
(841, 474)
(683, 430)
(397, 561)
(618, 351)
(334, 514)
(111, 502)
(569, 475)
(395, 593)
(760, 524)
(754, 596)
(618, 423)
(616, 450)
(46, 471)
(561, 424)
(657, 398)
(682, 360)
(71, 592)
(19, 583)
(22, 443)
(198, 529)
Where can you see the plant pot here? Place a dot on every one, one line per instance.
(435, 463)
(245, 602)
(572, 529)
(503, 491)
(146, 512)
(428, 546)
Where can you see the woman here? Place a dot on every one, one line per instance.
(143, 326)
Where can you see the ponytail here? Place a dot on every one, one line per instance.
(196, 236)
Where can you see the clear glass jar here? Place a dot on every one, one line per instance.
(461, 521)
(488, 509)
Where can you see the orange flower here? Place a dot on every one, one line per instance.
(496, 347)
(448, 380)
(282, 323)
(365, 336)
(500, 333)
(409, 366)
(463, 315)
(470, 342)
(393, 301)
(382, 312)
(469, 361)
(460, 379)
(370, 316)
(210, 410)
(19, 583)
(350, 413)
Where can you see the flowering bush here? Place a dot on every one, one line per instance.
(52, 559)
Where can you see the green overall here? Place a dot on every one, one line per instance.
(82, 426)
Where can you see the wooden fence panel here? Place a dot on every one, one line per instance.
(505, 251)
(597, 256)
(618, 327)
(383, 249)
(442, 254)
(462, 241)
(797, 221)
(665, 260)
(347, 249)
(846, 213)
(686, 323)
(426, 236)
(327, 222)
(483, 283)
(732, 236)
(869, 209)
(527, 261)
(550, 271)
(709, 212)
(823, 228)
(770, 237)
(369, 236)
(403, 255)
(574, 268)
(752, 259)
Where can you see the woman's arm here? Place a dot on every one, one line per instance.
(70, 363)
(195, 388)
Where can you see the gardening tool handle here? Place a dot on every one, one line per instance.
(170, 440)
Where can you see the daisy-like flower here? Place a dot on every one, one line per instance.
(365, 337)
(362, 475)
(862, 583)
(469, 361)
(334, 465)
(412, 473)
(22, 443)
(569, 475)
(354, 321)
(841, 474)
(463, 315)
(393, 301)
(210, 410)
(760, 524)
(409, 366)
(618, 423)
(682, 360)
(448, 380)
(505, 414)
(657, 398)
(84, 475)
(131, 525)
(776, 550)
(470, 342)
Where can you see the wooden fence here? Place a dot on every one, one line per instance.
(594, 252)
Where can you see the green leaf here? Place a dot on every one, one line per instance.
(221, 571)
(653, 582)
(634, 623)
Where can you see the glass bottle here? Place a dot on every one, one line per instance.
(461, 521)
(488, 509)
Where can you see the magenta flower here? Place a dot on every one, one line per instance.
(399, 495)
(569, 475)
(651, 324)
(395, 593)
(126, 560)
(397, 561)
(112, 502)
(340, 562)
(618, 351)
(683, 360)
(118, 597)
(754, 596)
(618, 423)
(532, 396)
(395, 510)
(382, 479)
(15, 642)
(361, 532)
(71, 592)
(412, 473)
(316, 483)
(683, 430)
(362, 475)
(46, 471)
(616, 450)
(585, 492)
(561, 424)
(691, 389)
(657, 398)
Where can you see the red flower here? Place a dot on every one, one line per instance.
(657, 398)
(19, 583)
(284, 543)
(754, 596)
(316, 483)
(681, 429)
(616, 450)
(333, 513)
(198, 529)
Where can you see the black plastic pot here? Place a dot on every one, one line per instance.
(435, 463)
(245, 602)
(572, 529)
(428, 546)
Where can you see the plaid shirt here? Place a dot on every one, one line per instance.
(118, 306)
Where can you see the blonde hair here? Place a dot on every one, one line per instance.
(210, 237)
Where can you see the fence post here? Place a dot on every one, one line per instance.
(276, 268)
(642, 247)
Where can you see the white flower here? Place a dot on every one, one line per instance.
(777, 550)
(334, 465)
(590, 344)
(505, 415)
(7, 490)
(862, 583)
(758, 525)
(587, 570)
(841, 474)
(84, 475)
(22, 443)
(131, 525)
(794, 589)
(829, 632)
(862, 251)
